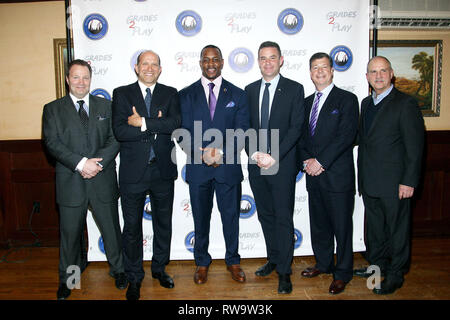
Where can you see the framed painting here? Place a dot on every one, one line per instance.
(417, 68)
(61, 62)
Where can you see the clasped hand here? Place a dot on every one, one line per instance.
(313, 167)
(211, 156)
(263, 160)
(91, 168)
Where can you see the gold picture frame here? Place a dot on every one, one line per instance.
(417, 68)
(61, 62)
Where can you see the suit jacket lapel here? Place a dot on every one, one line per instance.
(138, 100)
(71, 112)
(224, 98)
(277, 97)
(384, 109)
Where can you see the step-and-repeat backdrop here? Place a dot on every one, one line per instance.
(110, 35)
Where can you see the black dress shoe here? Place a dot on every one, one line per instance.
(121, 280)
(134, 291)
(266, 269)
(363, 273)
(284, 284)
(164, 279)
(387, 287)
(63, 292)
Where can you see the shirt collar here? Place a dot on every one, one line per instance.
(327, 90)
(377, 98)
(217, 81)
(143, 88)
(75, 99)
(273, 82)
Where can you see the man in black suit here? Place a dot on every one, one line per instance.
(326, 150)
(391, 138)
(77, 133)
(276, 105)
(145, 113)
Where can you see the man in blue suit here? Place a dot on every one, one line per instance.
(326, 150)
(212, 105)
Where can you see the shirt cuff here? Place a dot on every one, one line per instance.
(144, 125)
(80, 164)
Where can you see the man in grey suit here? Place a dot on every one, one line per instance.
(391, 139)
(78, 134)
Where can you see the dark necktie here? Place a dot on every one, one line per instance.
(265, 115)
(148, 101)
(212, 100)
(265, 108)
(84, 118)
(314, 114)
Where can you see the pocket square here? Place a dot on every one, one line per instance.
(231, 104)
(335, 111)
(101, 118)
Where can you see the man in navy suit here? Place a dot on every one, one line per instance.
(145, 113)
(77, 133)
(326, 150)
(210, 106)
(276, 105)
(391, 139)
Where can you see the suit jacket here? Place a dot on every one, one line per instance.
(286, 114)
(333, 141)
(231, 113)
(391, 152)
(135, 144)
(66, 141)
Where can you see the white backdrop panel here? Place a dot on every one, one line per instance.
(110, 34)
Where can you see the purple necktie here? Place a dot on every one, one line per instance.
(314, 114)
(212, 100)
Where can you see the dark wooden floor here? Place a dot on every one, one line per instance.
(35, 278)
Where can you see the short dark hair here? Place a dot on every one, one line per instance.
(79, 62)
(140, 54)
(212, 47)
(269, 44)
(320, 55)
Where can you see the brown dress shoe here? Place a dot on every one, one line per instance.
(311, 272)
(236, 273)
(201, 275)
(337, 286)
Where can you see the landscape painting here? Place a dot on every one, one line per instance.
(417, 69)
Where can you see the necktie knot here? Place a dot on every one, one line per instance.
(80, 103)
(211, 85)
(267, 85)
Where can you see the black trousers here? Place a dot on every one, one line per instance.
(275, 199)
(133, 197)
(330, 217)
(388, 235)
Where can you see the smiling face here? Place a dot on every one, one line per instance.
(148, 68)
(270, 62)
(321, 73)
(79, 81)
(211, 63)
(379, 74)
